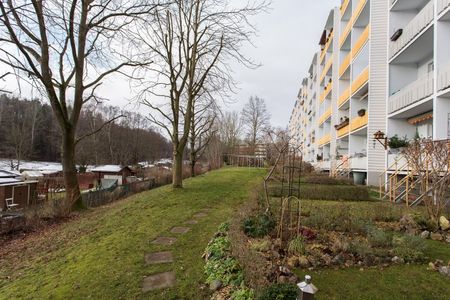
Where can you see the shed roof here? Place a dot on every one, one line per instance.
(8, 174)
(108, 168)
(9, 180)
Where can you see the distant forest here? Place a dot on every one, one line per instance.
(29, 131)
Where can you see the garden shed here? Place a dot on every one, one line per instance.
(17, 194)
(120, 173)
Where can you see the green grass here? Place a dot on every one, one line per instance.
(100, 254)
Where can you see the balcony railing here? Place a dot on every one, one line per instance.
(326, 92)
(326, 68)
(344, 7)
(345, 64)
(444, 79)
(325, 116)
(362, 79)
(413, 29)
(327, 45)
(344, 97)
(358, 163)
(416, 91)
(324, 140)
(352, 21)
(359, 122)
(343, 131)
(362, 40)
(442, 5)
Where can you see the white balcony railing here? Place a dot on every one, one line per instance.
(423, 18)
(358, 163)
(442, 5)
(415, 91)
(443, 78)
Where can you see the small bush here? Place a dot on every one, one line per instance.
(425, 223)
(280, 291)
(226, 271)
(218, 247)
(410, 248)
(379, 238)
(340, 244)
(259, 225)
(325, 180)
(243, 293)
(361, 248)
(297, 246)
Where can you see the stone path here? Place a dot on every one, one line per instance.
(166, 279)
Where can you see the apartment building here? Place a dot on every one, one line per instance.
(382, 65)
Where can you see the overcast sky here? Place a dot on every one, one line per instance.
(287, 39)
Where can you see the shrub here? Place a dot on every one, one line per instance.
(279, 291)
(410, 248)
(361, 248)
(325, 180)
(340, 244)
(297, 246)
(218, 247)
(259, 225)
(379, 238)
(226, 271)
(425, 223)
(243, 293)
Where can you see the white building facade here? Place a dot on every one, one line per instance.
(383, 65)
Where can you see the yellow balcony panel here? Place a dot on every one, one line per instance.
(344, 97)
(359, 122)
(344, 7)
(361, 41)
(343, 131)
(326, 92)
(327, 45)
(324, 140)
(358, 10)
(326, 68)
(325, 116)
(362, 79)
(345, 64)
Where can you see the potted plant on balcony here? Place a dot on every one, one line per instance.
(344, 122)
(362, 112)
(319, 157)
(396, 144)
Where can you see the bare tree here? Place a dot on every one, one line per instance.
(429, 163)
(202, 130)
(230, 129)
(192, 43)
(255, 119)
(66, 49)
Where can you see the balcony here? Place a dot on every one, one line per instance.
(413, 29)
(325, 116)
(326, 69)
(443, 79)
(323, 165)
(327, 45)
(358, 163)
(344, 97)
(326, 92)
(359, 122)
(345, 64)
(352, 21)
(324, 140)
(343, 131)
(344, 7)
(362, 79)
(415, 91)
(362, 40)
(442, 5)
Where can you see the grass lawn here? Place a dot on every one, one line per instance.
(100, 254)
(395, 282)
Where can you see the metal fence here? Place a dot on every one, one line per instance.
(102, 197)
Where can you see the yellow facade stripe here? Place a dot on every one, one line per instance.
(362, 79)
(359, 122)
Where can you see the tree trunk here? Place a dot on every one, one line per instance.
(177, 172)
(73, 195)
(193, 162)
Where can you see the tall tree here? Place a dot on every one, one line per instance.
(230, 129)
(255, 119)
(66, 49)
(192, 43)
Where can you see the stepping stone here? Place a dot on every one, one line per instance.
(159, 281)
(180, 230)
(191, 222)
(162, 240)
(158, 258)
(200, 215)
